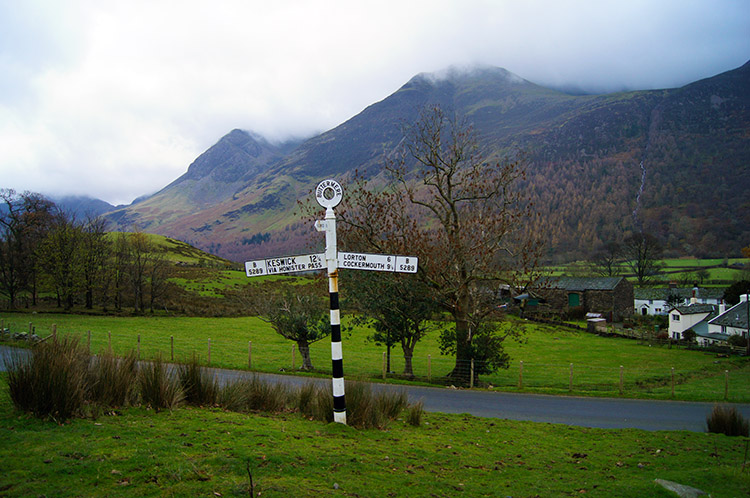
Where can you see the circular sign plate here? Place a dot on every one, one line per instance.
(328, 193)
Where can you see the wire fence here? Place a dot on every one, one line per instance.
(431, 368)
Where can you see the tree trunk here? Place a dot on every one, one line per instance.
(304, 350)
(462, 370)
(408, 354)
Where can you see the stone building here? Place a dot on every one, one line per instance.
(612, 297)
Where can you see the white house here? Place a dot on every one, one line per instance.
(733, 321)
(653, 301)
(693, 316)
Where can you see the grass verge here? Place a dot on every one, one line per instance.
(210, 452)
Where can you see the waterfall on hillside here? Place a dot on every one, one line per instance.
(653, 125)
(636, 222)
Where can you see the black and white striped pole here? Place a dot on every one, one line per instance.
(328, 193)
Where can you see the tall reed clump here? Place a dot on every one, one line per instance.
(199, 387)
(51, 380)
(111, 379)
(315, 401)
(367, 410)
(727, 420)
(255, 394)
(160, 387)
(414, 414)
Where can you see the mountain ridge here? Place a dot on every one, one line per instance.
(586, 160)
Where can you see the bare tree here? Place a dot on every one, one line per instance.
(642, 252)
(139, 249)
(463, 216)
(606, 259)
(61, 255)
(96, 248)
(24, 220)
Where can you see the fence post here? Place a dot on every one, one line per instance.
(249, 355)
(139, 347)
(31, 329)
(109, 340)
(570, 378)
(621, 380)
(429, 368)
(726, 385)
(673, 382)
(383, 365)
(471, 379)
(54, 331)
(520, 376)
(171, 348)
(209, 351)
(88, 341)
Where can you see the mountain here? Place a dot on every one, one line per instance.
(82, 206)
(672, 162)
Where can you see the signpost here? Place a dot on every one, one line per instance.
(329, 193)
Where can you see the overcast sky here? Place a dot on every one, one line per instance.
(114, 99)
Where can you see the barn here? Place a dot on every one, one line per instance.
(612, 297)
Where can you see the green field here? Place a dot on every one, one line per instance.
(547, 353)
(209, 452)
(678, 269)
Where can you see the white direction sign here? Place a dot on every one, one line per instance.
(289, 264)
(348, 260)
(377, 262)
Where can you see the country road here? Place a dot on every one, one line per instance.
(610, 413)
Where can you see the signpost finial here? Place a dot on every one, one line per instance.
(328, 193)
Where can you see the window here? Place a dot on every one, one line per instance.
(675, 318)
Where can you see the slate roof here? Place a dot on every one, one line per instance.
(714, 335)
(736, 316)
(683, 292)
(580, 283)
(696, 309)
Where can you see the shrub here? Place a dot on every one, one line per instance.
(737, 341)
(111, 379)
(199, 387)
(727, 420)
(414, 414)
(160, 388)
(51, 381)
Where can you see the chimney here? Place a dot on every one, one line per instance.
(744, 297)
(722, 308)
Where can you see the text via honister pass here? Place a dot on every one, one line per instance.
(289, 264)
